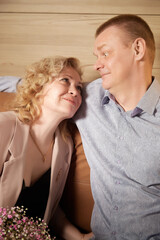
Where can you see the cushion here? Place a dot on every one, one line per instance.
(5, 100)
(77, 200)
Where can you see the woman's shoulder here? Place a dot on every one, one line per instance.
(63, 142)
(12, 129)
(7, 122)
(7, 127)
(8, 117)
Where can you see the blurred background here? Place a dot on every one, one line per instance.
(32, 29)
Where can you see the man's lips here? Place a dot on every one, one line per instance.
(103, 74)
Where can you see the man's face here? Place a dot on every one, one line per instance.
(115, 59)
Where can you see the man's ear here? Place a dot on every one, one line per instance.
(139, 48)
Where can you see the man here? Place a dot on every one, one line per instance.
(119, 122)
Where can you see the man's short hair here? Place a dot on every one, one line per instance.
(135, 27)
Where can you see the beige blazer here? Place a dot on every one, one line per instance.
(13, 141)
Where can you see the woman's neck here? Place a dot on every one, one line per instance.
(44, 128)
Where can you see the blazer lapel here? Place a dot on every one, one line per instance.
(13, 169)
(61, 158)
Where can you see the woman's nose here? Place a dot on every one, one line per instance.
(73, 91)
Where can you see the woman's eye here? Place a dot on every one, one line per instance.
(64, 79)
(79, 89)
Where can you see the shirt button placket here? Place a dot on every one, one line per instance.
(115, 207)
(113, 233)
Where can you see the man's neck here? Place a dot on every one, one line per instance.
(129, 99)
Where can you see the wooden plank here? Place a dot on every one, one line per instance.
(89, 73)
(82, 6)
(25, 38)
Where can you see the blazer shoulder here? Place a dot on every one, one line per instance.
(9, 115)
(7, 119)
(8, 122)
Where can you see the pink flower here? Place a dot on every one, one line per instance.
(15, 225)
(4, 213)
(24, 219)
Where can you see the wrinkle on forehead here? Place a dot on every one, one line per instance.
(109, 35)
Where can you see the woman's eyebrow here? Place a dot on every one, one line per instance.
(67, 75)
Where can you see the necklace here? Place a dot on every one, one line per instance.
(44, 155)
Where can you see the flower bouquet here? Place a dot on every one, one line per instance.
(14, 224)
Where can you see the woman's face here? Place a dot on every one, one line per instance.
(63, 95)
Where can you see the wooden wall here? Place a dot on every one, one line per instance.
(32, 29)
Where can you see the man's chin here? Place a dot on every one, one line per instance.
(105, 84)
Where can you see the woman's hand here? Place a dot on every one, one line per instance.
(87, 236)
(65, 229)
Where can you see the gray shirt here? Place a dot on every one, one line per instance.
(123, 151)
(9, 83)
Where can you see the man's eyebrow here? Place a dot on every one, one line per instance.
(99, 48)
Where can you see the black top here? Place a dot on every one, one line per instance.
(35, 197)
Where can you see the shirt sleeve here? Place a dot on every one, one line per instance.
(9, 83)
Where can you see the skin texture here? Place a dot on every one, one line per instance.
(62, 98)
(124, 66)
(63, 95)
(115, 59)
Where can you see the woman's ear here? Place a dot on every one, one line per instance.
(139, 47)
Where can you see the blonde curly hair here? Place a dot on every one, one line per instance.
(29, 94)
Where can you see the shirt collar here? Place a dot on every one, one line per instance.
(106, 98)
(147, 103)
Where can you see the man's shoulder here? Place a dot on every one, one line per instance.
(93, 88)
(8, 83)
(97, 82)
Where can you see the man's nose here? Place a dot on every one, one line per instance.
(98, 65)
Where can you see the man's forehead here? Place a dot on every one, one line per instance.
(101, 41)
(108, 36)
(111, 31)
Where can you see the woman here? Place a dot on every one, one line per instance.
(35, 146)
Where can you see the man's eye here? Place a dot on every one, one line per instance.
(106, 54)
